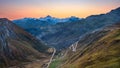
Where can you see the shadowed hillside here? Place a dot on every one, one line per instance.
(17, 46)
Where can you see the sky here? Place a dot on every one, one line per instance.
(15, 9)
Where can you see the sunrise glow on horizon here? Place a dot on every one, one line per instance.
(14, 9)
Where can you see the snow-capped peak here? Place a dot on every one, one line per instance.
(49, 19)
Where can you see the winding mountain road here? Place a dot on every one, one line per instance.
(51, 58)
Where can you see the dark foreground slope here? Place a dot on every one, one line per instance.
(99, 49)
(17, 46)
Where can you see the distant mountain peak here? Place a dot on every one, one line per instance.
(48, 16)
(117, 10)
(3, 19)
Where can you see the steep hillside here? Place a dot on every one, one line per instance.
(99, 49)
(17, 46)
(62, 35)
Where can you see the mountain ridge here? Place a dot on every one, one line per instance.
(17, 46)
(62, 35)
(98, 49)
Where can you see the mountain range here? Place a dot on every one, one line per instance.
(49, 42)
(62, 34)
(44, 21)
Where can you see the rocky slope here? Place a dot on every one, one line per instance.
(98, 49)
(62, 35)
(18, 47)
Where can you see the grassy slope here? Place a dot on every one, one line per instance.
(104, 53)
